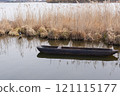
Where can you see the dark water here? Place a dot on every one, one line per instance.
(19, 59)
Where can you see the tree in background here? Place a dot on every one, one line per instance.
(74, 1)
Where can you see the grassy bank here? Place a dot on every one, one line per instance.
(85, 23)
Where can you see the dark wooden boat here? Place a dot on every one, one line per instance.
(76, 51)
(90, 58)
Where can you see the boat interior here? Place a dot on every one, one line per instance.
(62, 47)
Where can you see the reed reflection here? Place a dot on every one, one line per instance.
(22, 52)
(83, 64)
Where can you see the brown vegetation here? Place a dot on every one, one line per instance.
(73, 1)
(86, 23)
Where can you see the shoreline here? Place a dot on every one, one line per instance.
(65, 34)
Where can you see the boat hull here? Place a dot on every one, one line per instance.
(76, 51)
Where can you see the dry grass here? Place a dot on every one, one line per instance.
(72, 1)
(88, 22)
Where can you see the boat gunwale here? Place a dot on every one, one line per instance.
(99, 49)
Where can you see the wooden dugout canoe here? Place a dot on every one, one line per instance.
(76, 51)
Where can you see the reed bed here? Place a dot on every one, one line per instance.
(86, 22)
(74, 1)
(66, 1)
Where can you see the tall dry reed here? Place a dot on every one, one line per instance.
(89, 22)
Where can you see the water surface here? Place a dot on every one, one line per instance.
(19, 59)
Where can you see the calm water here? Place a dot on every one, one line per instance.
(19, 59)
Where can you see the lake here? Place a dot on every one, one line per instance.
(20, 60)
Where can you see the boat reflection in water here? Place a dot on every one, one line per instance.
(92, 58)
